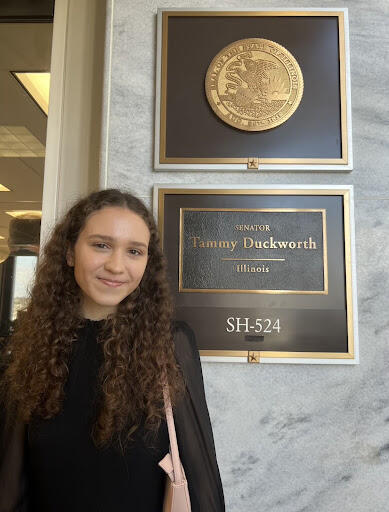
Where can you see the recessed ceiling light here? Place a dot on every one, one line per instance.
(18, 141)
(27, 214)
(38, 87)
(3, 188)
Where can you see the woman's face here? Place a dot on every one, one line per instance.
(109, 259)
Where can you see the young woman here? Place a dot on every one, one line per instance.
(85, 423)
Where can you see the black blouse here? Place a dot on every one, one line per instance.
(53, 465)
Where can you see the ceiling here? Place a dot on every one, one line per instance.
(24, 47)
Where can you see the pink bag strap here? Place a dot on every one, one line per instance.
(178, 476)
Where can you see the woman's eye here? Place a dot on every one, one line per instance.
(134, 252)
(100, 245)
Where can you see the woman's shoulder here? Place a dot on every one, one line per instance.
(187, 353)
(184, 339)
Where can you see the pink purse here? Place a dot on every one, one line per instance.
(176, 490)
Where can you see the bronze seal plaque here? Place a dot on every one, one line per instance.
(254, 84)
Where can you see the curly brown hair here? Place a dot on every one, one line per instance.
(137, 339)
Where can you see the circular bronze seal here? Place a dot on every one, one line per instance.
(254, 84)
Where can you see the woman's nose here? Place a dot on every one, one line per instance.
(115, 263)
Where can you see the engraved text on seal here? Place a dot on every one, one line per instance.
(254, 84)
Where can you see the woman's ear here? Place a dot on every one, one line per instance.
(70, 257)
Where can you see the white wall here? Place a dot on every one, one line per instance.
(72, 164)
(289, 438)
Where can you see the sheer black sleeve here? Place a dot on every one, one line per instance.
(13, 482)
(194, 434)
(194, 431)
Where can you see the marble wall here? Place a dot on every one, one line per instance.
(289, 438)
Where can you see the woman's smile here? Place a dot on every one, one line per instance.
(108, 282)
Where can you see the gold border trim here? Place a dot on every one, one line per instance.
(292, 161)
(347, 251)
(272, 292)
(162, 127)
(348, 271)
(344, 160)
(252, 13)
(276, 354)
